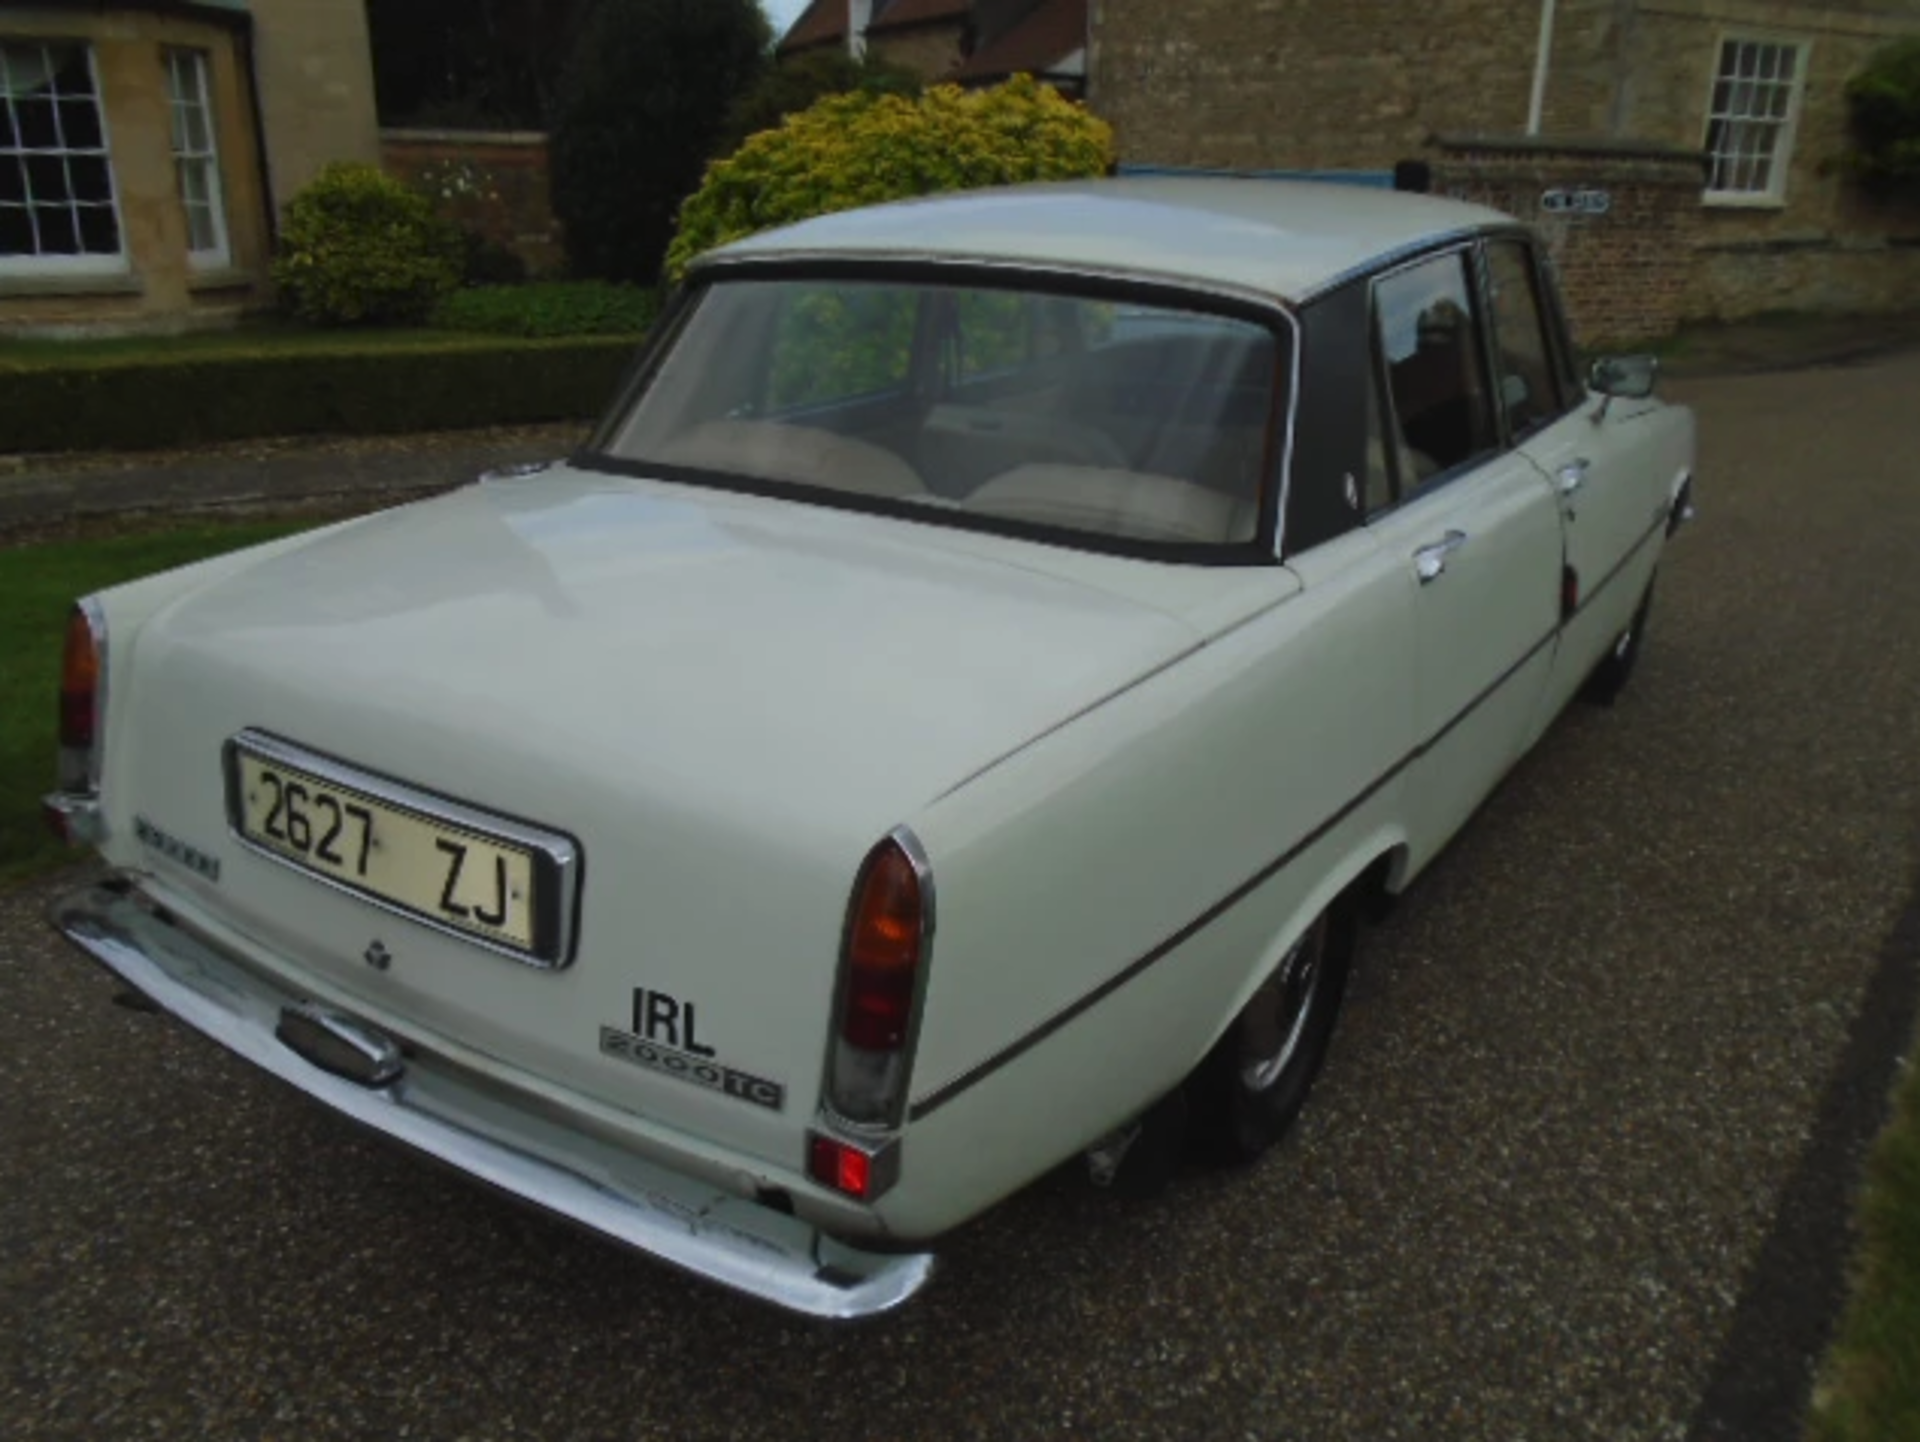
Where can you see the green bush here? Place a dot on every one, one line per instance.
(795, 82)
(638, 113)
(359, 248)
(860, 149)
(198, 397)
(1884, 101)
(485, 261)
(549, 308)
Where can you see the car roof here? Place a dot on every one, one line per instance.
(1284, 238)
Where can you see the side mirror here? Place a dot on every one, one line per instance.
(1629, 377)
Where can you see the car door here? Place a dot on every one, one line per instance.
(1608, 509)
(1475, 530)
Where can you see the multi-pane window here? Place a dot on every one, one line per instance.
(56, 186)
(196, 163)
(1750, 119)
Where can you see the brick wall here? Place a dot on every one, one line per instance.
(494, 182)
(1626, 270)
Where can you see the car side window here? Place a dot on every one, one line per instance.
(1528, 387)
(1436, 376)
(1566, 355)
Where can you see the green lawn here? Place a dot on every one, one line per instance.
(1869, 1388)
(39, 583)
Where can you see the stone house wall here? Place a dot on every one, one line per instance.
(315, 67)
(1289, 85)
(289, 87)
(929, 51)
(153, 284)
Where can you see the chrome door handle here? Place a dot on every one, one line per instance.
(1430, 561)
(1572, 476)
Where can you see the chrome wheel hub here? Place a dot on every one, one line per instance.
(1277, 1015)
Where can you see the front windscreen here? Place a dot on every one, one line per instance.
(1107, 417)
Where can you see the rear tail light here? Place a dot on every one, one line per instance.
(883, 968)
(859, 1170)
(82, 699)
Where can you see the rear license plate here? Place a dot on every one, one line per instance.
(487, 878)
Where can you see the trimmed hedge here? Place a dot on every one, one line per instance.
(549, 308)
(142, 403)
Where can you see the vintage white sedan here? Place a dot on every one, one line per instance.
(949, 718)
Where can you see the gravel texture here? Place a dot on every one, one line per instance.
(1579, 1067)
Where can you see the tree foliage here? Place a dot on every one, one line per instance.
(358, 247)
(794, 83)
(638, 113)
(861, 149)
(483, 63)
(1884, 99)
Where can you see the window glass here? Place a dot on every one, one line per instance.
(56, 196)
(1526, 384)
(832, 343)
(1749, 114)
(1442, 417)
(1147, 423)
(195, 163)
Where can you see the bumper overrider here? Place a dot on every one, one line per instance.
(436, 1107)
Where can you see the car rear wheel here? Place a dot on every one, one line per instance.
(1254, 1082)
(1610, 677)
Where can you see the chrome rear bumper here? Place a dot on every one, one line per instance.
(435, 1109)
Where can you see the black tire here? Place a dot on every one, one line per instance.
(1608, 679)
(1247, 1092)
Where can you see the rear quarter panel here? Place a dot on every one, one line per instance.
(1110, 896)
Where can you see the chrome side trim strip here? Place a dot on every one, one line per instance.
(435, 1110)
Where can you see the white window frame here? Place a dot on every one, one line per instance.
(196, 65)
(97, 263)
(1785, 127)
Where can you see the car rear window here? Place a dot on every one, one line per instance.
(1106, 417)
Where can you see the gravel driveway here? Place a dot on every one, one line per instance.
(1579, 1161)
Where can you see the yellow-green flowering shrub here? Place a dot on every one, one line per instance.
(860, 149)
(358, 247)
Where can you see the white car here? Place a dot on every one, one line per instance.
(948, 719)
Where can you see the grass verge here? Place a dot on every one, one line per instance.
(40, 583)
(1869, 1386)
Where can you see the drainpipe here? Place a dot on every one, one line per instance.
(246, 54)
(859, 16)
(1543, 57)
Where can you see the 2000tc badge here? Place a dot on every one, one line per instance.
(995, 652)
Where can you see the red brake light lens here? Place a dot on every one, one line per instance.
(884, 936)
(79, 683)
(840, 1166)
